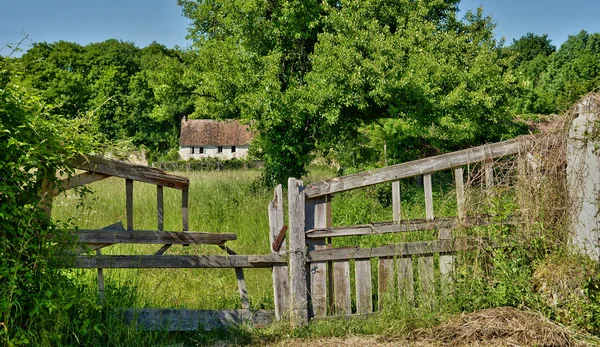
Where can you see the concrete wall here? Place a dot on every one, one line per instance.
(185, 153)
(583, 174)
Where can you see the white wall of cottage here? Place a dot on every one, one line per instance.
(185, 153)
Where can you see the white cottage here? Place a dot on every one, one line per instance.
(203, 138)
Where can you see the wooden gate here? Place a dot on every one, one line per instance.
(320, 274)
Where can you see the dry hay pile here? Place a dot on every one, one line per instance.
(503, 326)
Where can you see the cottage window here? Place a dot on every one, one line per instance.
(192, 150)
(220, 149)
(201, 150)
(232, 149)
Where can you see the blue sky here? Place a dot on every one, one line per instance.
(144, 21)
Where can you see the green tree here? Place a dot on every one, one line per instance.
(307, 74)
(529, 46)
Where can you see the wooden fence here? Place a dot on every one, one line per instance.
(97, 168)
(319, 278)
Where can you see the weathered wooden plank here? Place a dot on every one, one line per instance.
(129, 203)
(316, 217)
(489, 174)
(191, 320)
(163, 249)
(446, 264)
(399, 250)
(160, 208)
(173, 261)
(396, 203)
(385, 280)
(341, 285)
(111, 167)
(152, 237)
(298, 276)
(428, 197)
(404, 226)
(184, 210)
(364, 287)
(406, 284)
(281, 290)
(460, 192)
(416, 168)
(425, 265)
(80, 180)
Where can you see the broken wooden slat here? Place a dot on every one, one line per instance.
(406, 286)
(416, 167)
(364, 290)
(152, 237)
(428, 197)
(399, 250)
(111, 167)
(316, 217)
(385, 281)
(396, 203)
(173, 261)
(341, 285)
(298, 276)
(80, 180)
(281, 290)
(191, 320)
(129, 203)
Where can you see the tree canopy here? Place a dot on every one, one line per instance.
(309, 74)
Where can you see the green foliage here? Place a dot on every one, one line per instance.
(550, 82)
(125, 86)
(35, 144)
(309, 75)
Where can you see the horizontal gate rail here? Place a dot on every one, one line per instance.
(408, 249)
(416, 168)
(173, 261)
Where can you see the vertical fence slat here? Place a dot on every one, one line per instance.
(341, 280)
(406, 286)
(428, 197)
(385, 287)
(160, 208)
(281, 290)
(298, 288)
(184, 209)
(316, 217)
(460, 192)
(426, 276)
(396, 203)
(489, 174)
(101, 294)
(446, 263)
(364, 288)
(129, 203)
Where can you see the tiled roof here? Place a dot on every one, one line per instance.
(208, 132)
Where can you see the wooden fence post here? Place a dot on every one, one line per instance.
(281, 289)
(298, 276)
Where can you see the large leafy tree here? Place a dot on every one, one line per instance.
(309, 74)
